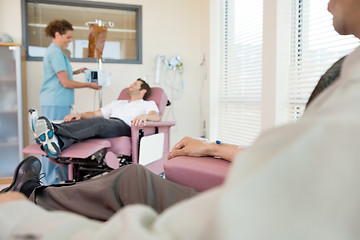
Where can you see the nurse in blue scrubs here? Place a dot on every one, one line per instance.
(57, 91)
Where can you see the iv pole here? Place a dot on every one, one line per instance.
(100, 24)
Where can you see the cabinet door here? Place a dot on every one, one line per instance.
(11, 136)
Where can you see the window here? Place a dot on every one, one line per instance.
(315, 47)
(123, 40)
(239, 84)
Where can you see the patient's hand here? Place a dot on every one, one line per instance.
(71, 116)
(11, 196)
(139, 119)
(190, 147)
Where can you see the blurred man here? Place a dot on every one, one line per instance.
(298, 181)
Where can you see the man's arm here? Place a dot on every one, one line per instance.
(151, 116)
(77, 116)
(201, 148)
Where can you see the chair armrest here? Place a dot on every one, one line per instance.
(200, 173)
(149, 128)
(150, 124)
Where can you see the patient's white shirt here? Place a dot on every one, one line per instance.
(127, 111)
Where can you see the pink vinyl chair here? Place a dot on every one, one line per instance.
(95, 156)
(126, 146)
(200, 173)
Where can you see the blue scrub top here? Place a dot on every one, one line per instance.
(52, 91)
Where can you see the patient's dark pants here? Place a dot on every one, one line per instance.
(101, 197)
(98, 127)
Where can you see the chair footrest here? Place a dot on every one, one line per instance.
(78, 150)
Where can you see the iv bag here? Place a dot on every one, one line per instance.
(97, 38)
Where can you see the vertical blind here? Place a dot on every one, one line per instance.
(315, 47)
(239, 96)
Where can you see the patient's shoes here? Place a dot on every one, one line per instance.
(26, 177)
(44, 132)
(33, 117)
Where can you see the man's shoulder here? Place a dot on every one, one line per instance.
(137, 102)
(150, 102)
(118, 102)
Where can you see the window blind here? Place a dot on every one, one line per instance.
(315, 47)
(239, 96)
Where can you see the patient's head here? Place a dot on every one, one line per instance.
(145, 85)
(139, 89)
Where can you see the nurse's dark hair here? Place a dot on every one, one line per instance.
(145, 85)
(60, 26)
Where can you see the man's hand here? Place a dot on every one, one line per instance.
(195, 147)
(190, 147)
(139, 119)
(151, 116)
(84, 115)
(72, 116)
(11, 196)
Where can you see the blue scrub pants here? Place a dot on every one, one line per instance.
(54, 172)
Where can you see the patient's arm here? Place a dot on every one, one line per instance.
(151, 116)
(200, 148)
(77, 116)
(11, 196)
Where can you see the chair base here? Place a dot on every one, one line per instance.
(91, 158)
(85, 159)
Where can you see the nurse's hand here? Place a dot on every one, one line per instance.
(81, 70)
(95, 86)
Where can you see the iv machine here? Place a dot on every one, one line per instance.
(100, 77)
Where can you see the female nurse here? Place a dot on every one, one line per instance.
(57, 91)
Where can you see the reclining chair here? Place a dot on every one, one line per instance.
(95, 156)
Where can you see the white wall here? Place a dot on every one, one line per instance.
(169, 28)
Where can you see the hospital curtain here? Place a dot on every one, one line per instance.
(315, 47)
(238, 115)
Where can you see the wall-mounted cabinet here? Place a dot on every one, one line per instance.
(12, 109)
